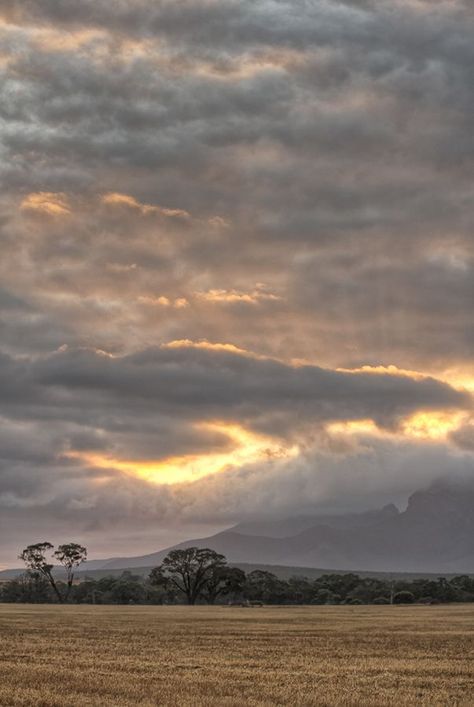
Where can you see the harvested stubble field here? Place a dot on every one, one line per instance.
(216, 656)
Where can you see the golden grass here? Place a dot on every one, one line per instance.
(119, 656)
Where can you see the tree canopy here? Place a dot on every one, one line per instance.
(189, 570)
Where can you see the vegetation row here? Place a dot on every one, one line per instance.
(195, 575)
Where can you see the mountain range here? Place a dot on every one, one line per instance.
(435, 533)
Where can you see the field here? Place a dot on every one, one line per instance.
(215, 656)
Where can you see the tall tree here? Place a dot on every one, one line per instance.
(70, 556)
(34, 557)
(188, 570)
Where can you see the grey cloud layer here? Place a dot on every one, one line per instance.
(198, 382)
(334, 134)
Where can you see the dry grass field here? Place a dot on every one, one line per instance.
(117, 656)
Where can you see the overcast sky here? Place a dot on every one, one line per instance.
(236, 262)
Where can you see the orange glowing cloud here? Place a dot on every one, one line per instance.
(390, 370)
(51, 40)
(433, 425)
(463, 380)
(248, 448)
(208, 346)
(248, 66)
(233, 296)
(353, 427)
(45, 202)
(118, 199)
(162, 301)
(425, 425)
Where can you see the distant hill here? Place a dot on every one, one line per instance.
(435, 534)
(288, 527)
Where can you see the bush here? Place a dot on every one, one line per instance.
(29, 588)
(381, 600)
(404, 598)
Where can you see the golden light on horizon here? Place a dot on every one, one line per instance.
(249, 447)
(434, 425)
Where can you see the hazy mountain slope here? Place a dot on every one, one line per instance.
(434, 534)
(288, 527)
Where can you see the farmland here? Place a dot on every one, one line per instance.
(59, 656)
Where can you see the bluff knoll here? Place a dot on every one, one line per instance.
(434, 534)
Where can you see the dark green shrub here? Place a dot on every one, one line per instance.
(404, 598)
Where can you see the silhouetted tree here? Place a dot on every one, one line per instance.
(29, 588)
(463, 585)
(34, 557)
(404, 597)
(68, 555)
(188, 570)
(222, 581)
(325, 596)
(127, 591)
(340, 584)
(301, 591)
(262, 585)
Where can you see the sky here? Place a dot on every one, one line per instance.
(236, 272)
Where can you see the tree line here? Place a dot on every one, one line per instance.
(196, 575)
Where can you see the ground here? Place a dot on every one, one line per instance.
(118, 656)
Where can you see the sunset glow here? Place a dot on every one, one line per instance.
(432, 425)
(52, 204)
(248, 448)
(117, 199)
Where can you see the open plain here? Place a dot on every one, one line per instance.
(118, 656)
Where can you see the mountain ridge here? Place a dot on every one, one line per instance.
(434, 534)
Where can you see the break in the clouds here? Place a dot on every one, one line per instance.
(236, 261)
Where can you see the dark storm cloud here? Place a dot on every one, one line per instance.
(200, 383)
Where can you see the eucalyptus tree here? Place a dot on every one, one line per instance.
(69, 555)
(189, 570)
